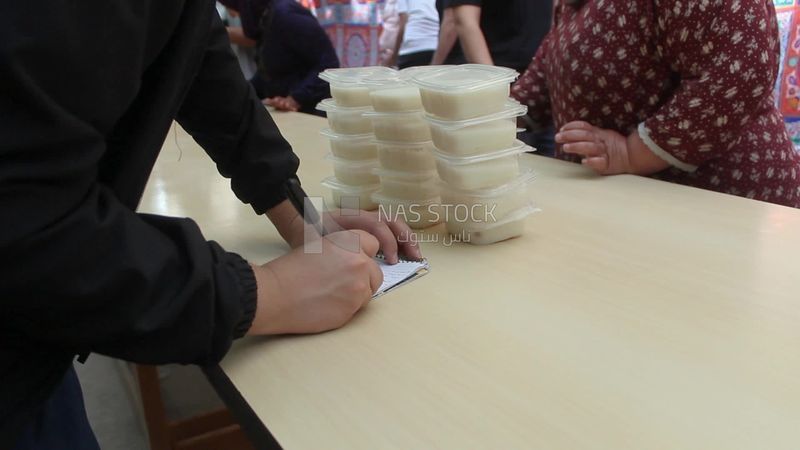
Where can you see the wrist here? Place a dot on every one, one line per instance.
(288, 222)
(642, 160)
(268, 295)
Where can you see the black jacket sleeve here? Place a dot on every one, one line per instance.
(224, 115)
(81, 271)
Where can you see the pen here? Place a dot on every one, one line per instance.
(306, 209)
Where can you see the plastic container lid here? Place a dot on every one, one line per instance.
(518, 148)
(512, 109)
(415, 145)
(382, 198)
(384, 114)
(334, 136)
(330, 105)
(365, 164)
(355, 75)
(381, 79)
(410, 72)
(524, 179)
(334, 183)
(419, 177)
(466, 77)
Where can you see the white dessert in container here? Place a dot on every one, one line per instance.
(400, 126)
(354, 147)
(396, 97)
(476, 206)
(510, 226)
(351, 197)
(480, 171)
(347, 84)
(355, 173)
(406, 156)
(417, 214)
(389, 93)
(481, 134)
(351, 95)
(346, 120)
(465, 91)
(408, 185)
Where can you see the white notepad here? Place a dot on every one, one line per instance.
(399, 274)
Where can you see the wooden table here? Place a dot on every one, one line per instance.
(634, 314)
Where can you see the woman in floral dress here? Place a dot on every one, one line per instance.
(677, 90)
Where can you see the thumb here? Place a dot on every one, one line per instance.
(597, 163)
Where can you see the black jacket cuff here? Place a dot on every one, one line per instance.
(270, 197)
(249, 297)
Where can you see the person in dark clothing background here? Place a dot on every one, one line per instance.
(291, 51)
(506, 34)
(88, 92)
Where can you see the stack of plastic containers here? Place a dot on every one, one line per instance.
(407, 167)
(473, 129)
(354, 153)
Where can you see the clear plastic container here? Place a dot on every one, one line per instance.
(355, 173)
(398, 93)
(510, 226)
(417, 214)
(346, 120)
(480, 171)
(350, 95)
(396, 97)
(347, 84)
(465, 91)
(409, 185)
(478, 135)
(352, 197)
(409, 73)
(477, 206)
(406, 156)
(400, 126)
(353, 147)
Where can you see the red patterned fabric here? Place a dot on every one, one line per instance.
(694, 77)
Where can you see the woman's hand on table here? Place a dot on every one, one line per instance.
(604, 151)
(608, 152)
(282, 103)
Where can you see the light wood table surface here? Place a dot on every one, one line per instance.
(633, 314)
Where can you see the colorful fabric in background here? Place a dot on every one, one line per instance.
(787, 86)
(354, 26)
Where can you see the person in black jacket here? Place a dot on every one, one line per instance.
(292, 50)
(88, 91)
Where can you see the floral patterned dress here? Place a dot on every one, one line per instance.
(694, 77)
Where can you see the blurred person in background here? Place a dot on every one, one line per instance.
(677, 91)
(246, 54)
(418, 31)
(390, 26)
(506, 34)
(291, 51)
